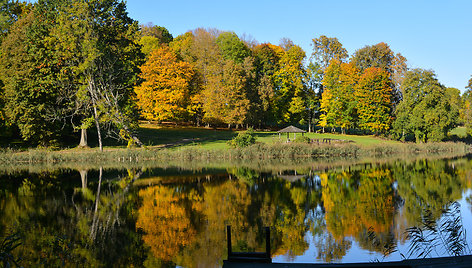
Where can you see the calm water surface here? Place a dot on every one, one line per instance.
(158, 217)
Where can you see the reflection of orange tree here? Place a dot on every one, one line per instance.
(164, 219)
(186, 225)
(222, 204)
(358, 202)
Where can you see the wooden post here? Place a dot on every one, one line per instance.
(267, 231)
(228, 234)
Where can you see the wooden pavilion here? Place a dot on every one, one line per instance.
(291, 129)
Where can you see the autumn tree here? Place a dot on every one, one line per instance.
(338, 104)
(425, 111)
(165, 91)
(290, 94)
(266, 62)
(326, 49)
(224, 98)
(381, 56)
(198, 47)
(159, 32)
(10, 12)
(374, 100)
(234, 49)
(153, 36)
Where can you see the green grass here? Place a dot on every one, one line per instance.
(459, 132)
(202, 144)
(154, 135)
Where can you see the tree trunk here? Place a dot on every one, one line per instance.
(83, 178)
(93, 95)
(94, 227)
(83, 138)
(97, 124)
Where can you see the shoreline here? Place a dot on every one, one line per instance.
(256, 155)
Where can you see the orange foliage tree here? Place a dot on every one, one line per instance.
(165, 92)
(164, 220)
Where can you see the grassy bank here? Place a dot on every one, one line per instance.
(272, 165)
(201, 153)
(202, 144)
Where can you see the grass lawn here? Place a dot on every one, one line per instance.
(155, 135)
(459, 132)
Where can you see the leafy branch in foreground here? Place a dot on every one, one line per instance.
(448, 233)
(7, 245)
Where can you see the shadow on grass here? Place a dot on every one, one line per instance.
(155, 136)
(456, 138)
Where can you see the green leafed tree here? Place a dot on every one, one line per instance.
(326, 49)
(30, 70)
(427, 110)
(232, 47)
(467, 108)
(153, 37)
(76, 60)
(106, 62)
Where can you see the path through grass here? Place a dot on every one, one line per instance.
(155, 135)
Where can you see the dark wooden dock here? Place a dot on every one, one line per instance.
(449, 262)
(248, 257)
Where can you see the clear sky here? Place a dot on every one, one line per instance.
(431, 34)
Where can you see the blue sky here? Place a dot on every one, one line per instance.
(431, 34)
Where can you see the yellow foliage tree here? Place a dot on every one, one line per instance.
(374, 100)
(164, 220)
(165, 92)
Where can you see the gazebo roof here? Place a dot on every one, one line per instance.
(291, 129)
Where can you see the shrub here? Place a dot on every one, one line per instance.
(302, 139)
(243, 139)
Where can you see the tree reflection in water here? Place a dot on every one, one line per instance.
(116, 219)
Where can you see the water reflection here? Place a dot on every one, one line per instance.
(174, 216)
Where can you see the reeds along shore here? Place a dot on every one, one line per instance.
(256, 151)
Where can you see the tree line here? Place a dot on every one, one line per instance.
(70, 65)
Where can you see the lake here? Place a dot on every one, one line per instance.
(159, 215)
